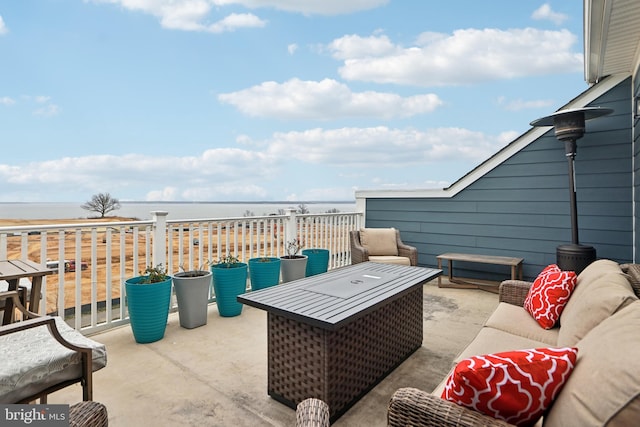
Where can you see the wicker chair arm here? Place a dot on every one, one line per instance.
(413, 407)
(409, 252)
(358, 252)
(514, 291)
(633, 275)
(406, 250)
(312, 412)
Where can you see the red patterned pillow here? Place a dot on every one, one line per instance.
(549, 294)
(514, 386)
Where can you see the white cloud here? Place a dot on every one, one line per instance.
(239, 174)
(5, 100)
(3, 27)
(189, 15)
(194, 15)
(309, 7)
(354, 46)
(235, 21)
(464, 57)
(292, 48)
(370, 147)
(544, 12)
(48, 110)
(323, 100)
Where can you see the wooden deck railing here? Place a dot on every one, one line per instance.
(88, 291)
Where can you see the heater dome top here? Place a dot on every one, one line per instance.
(589, 113)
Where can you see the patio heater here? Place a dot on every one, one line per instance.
(569, 127)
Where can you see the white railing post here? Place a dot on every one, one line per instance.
(159, 255)
(290, 226)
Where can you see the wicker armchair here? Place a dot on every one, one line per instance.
(312, 412)
(359, 253)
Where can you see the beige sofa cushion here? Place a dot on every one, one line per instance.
(604, 388)
(597, 300)
(379, 241)
(517, 321)
(490, 340)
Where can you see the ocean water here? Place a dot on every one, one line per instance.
(142, 210)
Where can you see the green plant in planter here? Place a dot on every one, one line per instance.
(152, 274)
(293, 266)
(199, 272)
(192, 292)
(293, 247)
(228, 261)
(148, 299)
(229, 281)
(317, 262)
(264, 272)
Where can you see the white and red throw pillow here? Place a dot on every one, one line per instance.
(549, 294)
(514, 386)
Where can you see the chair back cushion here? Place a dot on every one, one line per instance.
(379, 241)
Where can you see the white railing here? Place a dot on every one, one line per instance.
(102, 255)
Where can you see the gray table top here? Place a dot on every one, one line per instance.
(331, 299)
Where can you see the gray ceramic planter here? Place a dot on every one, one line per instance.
(192, 292)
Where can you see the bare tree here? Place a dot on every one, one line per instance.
(302, 209)
(101, 203)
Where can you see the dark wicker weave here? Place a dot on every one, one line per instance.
(88, 414)
(633, 274)
(413, 407)
(312, 412)
(360, 254)
(513, 291)
(340, 366)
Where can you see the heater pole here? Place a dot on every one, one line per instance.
(571, 154)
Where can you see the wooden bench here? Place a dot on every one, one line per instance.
(492, 286)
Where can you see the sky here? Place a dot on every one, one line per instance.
(271, 100)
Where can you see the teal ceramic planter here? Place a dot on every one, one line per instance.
(228, 283)
(264, 272)
(148, 305)
(317, 261)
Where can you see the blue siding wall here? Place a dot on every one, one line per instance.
(521, 208)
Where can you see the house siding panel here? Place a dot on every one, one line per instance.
(521, 207)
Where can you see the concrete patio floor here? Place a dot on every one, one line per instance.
(216, 375)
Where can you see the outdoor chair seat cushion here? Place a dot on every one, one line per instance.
(32, 360)
(388, 259)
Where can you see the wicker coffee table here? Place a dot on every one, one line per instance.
(334, 336)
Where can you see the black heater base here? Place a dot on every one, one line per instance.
(574, 257)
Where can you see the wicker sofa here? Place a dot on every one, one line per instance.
(601, 319)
